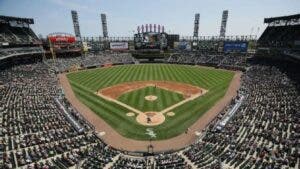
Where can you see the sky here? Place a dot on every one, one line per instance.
(123, 16)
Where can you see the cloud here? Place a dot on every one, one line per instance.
(70, 4)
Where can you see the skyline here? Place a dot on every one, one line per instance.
(124, 17)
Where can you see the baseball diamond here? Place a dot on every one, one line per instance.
(113, 92)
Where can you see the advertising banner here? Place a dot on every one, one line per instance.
(235, 46)
(119, 45)
(62, 39)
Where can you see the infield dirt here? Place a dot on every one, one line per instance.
(117, 90)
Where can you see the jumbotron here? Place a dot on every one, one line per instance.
(152, 100)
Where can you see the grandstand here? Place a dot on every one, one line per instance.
(17, 38)
(282, 36)
(16, 31)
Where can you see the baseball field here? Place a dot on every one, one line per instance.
(150, 101)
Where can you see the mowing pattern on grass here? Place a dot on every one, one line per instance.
(137, 99)
(86, 83)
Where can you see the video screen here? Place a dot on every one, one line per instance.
(150, 41)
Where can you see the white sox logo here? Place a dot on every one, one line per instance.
(150, 132)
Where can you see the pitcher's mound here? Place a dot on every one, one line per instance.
(150, 97)
(150, 118)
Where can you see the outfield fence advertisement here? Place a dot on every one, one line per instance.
(235, 46)
(119, 45)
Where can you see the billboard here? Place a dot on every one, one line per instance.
(233, 46)
(62, 39)
(118, 45)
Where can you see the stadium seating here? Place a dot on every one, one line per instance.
(280, 36)
(32, 126)
(17, 34)
(234, 61)
(130, 162)
(16, 51)
(204, 58)
(63, 64)
(170, 161)
(17, 38)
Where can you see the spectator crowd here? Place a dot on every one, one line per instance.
(91, 60)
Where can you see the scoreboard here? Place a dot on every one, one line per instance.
(150, 40)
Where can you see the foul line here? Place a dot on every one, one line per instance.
(120, 103)
(182, 102)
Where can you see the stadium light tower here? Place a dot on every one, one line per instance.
(76, 24)
(223, 24)
(104, 25)
(196, 24)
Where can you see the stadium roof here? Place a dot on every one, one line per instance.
(280, 18)
(7, 19)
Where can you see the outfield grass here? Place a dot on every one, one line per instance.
(164, 99)
(86, 83)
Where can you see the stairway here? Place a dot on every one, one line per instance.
(109, 165)
(186, 159)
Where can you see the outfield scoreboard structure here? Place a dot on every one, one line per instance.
(153, 37)
(151, 40)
